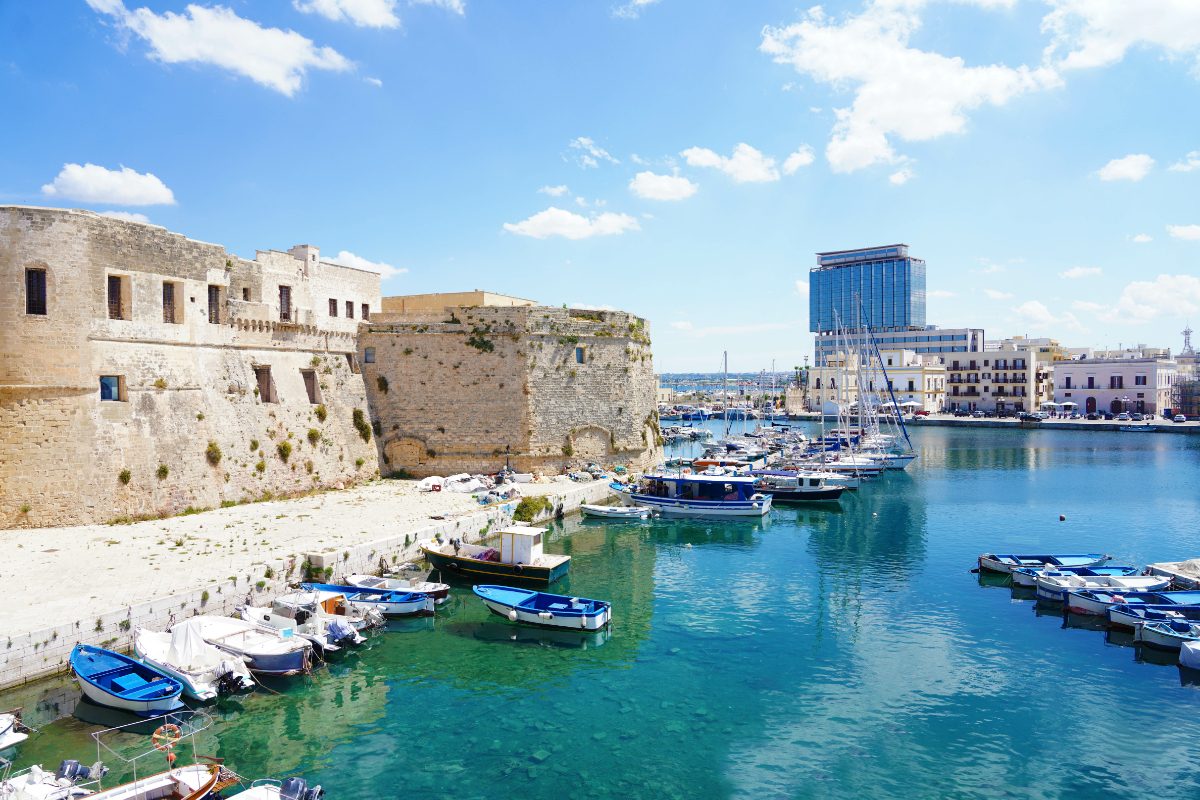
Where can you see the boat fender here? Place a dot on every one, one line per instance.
(545, 615)
(454, 566)
(518, 568)
(512, 614)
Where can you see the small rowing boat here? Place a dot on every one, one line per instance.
(1096, 601)
(545, 610)
(1054, 588)
(438, 591)
(12, 732)
(118, 681)
(1027, 576)
(616, 512)
(1167, 635)
(385, 601)
(1007, 562)
(1126, 615)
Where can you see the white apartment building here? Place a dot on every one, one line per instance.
(1114, 385)
(914, 378)
(1012, 375)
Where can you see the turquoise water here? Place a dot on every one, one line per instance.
(817, 653)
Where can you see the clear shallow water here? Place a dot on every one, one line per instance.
(817, 653)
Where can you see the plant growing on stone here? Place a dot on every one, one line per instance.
(162, 472)
(321, 412)
(213, 453)
(285, 449)
(358, 462)
(160, 383)
(314, 436)
(308, 466)
(568, 450)
(382, 383)
(200, 417)
(25, 508)
(261, 466)
(361, 425)
(253, 445)
(124, 476)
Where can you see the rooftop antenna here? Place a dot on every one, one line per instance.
(1187, 340)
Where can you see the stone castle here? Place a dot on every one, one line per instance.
(145, 374)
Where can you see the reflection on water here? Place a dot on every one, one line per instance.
(818, 653)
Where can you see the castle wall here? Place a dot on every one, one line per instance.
(465, 388)
(187, 378)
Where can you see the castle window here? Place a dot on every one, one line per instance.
(310, 385)
(118, 297)
(214, 304)
(246, 293)
(285, 303)
(579, 355)
(332, 307)
(112, 388)
(366, 311)
(266, 387)
(369, 355)
(169, 308)
(35, 291)
(349, 309)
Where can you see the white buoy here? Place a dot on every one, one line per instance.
(512, 614)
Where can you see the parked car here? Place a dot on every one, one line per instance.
(920, 412)
(1076, 415)
(961, 412)
(1027, 416)
(978, 413)
(1137, 417)
(1108, 415)
(1180, 418)
(1123, 417)
(1093, 415)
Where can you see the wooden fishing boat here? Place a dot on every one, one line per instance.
(1132, 615)
(702, 495)
(385, 601)
(1183, 574)
(519, 558)
(1007, 562)
(545, 610)
(616, 512)
(118, 681)
(1053, 588)
(1027, 576)
(394, 583)
(1097, 601)
(1167, 635)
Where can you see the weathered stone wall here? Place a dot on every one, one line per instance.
(187, 381)
(461, 390)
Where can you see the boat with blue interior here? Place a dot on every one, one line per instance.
(1007, 562)
(1027, 576)
(1132, 615)
(520, 557)
(118, 681)
(1097, 601)
(545, 610)
(701, 495)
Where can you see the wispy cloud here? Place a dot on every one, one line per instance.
(1190, 163)
(802, 157)
(632, 9)
(1132, 167)
(996, 294)
(746, 165)
(1189, 233)
(554, 191)
(651, 186)
(363, 13)
(569, 225)
(589, 154)
(1141, 238)
(1075, 273)
(385, 270)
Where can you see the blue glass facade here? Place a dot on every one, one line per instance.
(881, 288)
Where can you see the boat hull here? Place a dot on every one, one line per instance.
(615, 512)
(788, 497)
(1157, 638)
(674, 507)
(9, 735)
(584, 624)
(1006, 563)
(472, 568)
(146, 691)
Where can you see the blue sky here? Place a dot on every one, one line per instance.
(1034, 152)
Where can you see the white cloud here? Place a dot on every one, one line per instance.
(554, 191)
(746, 165)
(89, 183)
(989, 267)
(1132, 167)
(348, 259)
(1190, 163)
(901, 176)
(1097, 33)
(378, 84)
(1074, 273)
(651, 186)
(559, 222)
(363, 13)
(801, 158)
(215, 35)
(900, 92)
(1142, 238)
(590, 154)
(1035, 312)
(682, 325)
(996, 294)
(632, 9)
(1088, 306)
(128, 216)
(455, 6)
(941, 293)
(1189, 232)
(802, 288)
(1166, 295)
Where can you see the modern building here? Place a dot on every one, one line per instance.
(881, 290)
(914, 378)
(1011, 375)
(1122, 384)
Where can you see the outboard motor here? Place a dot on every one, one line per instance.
(302, 616)
(297, 789)
(72, 772)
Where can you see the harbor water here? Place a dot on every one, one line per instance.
(839, 651)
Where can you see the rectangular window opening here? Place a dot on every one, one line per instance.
(349, 309)
(266, 387)
(369, 355)
(310, 385)
(214, 304)
(112, 388)
(35, 292)
(118, 297)
(285, 303)
(579, 355)
(332, 307)
(246, 293)
(168, 302)
(366, 311)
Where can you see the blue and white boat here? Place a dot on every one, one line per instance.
(118, 681)
(701, 495)
(1027, 576)
(387, 602)
(545, 610)
(1054, 588)
(1167, 635)
(1133, 615)
(1097, 601)
(266, 651)
(1007, 562)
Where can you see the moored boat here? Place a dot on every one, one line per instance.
(385, 601)
(326, 619)
(1183, 574)
(1054, 588)
(1166, 635)
(118, 681)
(1097, 601)
(797, 487)
(12, 730)
(1027, 576)
(1189, 655)
(204, 671)
(290, 789)
(265, 650)
(520, 557)
(1007, 562)
(545, 610)
(702, 495)
(394, 583)
(616, 512)
(1132, 615)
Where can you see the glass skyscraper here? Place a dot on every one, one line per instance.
(880, 288)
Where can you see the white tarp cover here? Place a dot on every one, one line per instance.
(1189, 655)
(427, 484)
(189, 650)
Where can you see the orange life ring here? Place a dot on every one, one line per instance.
(166, 737)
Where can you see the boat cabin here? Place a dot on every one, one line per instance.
(699, 487)
(521, 545)
(769, 483)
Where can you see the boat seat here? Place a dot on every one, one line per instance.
(155, 688)
(127, 683)
(559, 605)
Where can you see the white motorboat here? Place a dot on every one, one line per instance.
(326, 619)
(204, 671)
(1054, 587)
(1189, 655)
(1167, 635)
(12, 732)
(290, 789)
(265, 650)
(1183, 574)
(617, 512)
(394, 583)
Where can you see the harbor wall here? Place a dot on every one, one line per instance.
(189, 426)
(467, 389)
(37, 654)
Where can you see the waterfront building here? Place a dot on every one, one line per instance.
(914, 378)
(1010, 375)
(1116, 384)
